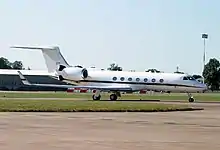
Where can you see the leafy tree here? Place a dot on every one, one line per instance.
(17, 65)
(114, 67)
(153, 70)
(211, 74)
(6, 64)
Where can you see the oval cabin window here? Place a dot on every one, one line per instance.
(114, 78)
(129, 79)
(153, 80)
(145, 79)
(161, 80)
(137, 79)
(122, 78)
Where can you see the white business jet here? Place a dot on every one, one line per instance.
(116, 81)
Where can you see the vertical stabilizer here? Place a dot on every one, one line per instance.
(52, 57)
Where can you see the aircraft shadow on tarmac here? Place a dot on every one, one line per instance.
(132, 100)
(168, 101)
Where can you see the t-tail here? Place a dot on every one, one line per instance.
(52, 56)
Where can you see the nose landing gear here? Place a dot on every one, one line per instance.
(191, 99)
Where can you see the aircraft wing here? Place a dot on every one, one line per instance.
(103, 88)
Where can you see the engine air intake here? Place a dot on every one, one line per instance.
(84, 73)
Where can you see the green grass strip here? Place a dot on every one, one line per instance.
(88, 96)
(86, 106)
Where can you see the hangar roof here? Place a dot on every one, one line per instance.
(24, 72)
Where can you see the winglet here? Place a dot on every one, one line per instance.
(23, 79)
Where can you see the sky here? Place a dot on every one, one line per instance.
(135, 34)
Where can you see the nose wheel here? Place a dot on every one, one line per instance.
(191, 99)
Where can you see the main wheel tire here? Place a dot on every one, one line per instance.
(96, 97)
(113, 97)
(191, 99)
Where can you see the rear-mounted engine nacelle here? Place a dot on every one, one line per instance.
(73, 73)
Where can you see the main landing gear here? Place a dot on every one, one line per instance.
(191, 99)
(113, 97)
(95, 97)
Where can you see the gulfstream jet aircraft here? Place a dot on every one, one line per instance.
(120, 81)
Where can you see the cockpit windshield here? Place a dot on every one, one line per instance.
(188, 78)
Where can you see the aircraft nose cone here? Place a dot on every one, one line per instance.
(205, 87)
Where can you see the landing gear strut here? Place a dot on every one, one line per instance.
(191, 99)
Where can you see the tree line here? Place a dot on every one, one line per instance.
(211, 72)
(6, 64)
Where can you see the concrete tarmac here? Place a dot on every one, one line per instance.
(107, 131)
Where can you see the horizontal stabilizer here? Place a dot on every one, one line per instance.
(52, 56)
(23, 79)
(36, 48)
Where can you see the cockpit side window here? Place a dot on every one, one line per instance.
(185, 78)
(190, 78)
